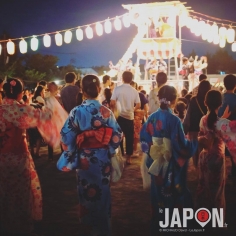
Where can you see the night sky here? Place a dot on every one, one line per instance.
(20, 18)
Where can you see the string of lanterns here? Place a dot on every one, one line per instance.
(88, 31)
(211, 31)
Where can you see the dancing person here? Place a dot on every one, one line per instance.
(201, 78)
(200, 65)
(129, 65)
(162, 66)
(180, 108)
(112, 86)
(152, 68)
(69, 92)
(214, 134)
(185, 72)
(153, 101)
(59, 114)
(163, 133)
(79, 96)
(139, 116)
(229, 99)
(20, 191)
(119, 67)
(38, 96)
(127, 97)
(107, 101)
(89, 138)
(184, 92)
(196, 110)
(35, 138)
(106, 82)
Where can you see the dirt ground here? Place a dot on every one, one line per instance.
(130, 203)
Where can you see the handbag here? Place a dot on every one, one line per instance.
(117, 163)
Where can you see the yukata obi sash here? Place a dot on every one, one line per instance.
(99, 138)
(161, 153)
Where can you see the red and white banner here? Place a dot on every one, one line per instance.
(159, 48)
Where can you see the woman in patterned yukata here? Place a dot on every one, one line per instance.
(89, 139)
(219, 132)
(20, 191)
(162, 139)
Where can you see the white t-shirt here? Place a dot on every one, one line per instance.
(127, 97)
(153, 101)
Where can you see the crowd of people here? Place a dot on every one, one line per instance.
(90, 120)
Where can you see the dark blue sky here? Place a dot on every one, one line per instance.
(22, 18)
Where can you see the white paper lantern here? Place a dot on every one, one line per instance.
(215, 29)
(222, 32)
(230, 35)
(182, 20)
(206, 31)
(99, 29)
(194, 25)
(0, 49)
(47, 41)
(222, 42)
(79, 34)
(126, 21)
(183, 17)
(201, 27)
(58, 39)
(34, 43)
(23, 46)
(107, 26)
(210, 37)
(89, 32)
(189, 22)
(216, 39)
(198, 27)
(233, 46)
(117, 24)
(10, 47)
(67, 36)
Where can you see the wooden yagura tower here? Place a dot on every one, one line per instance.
(159, 32)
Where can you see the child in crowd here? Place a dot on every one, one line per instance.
(59, 114)
(107, 94)
(184, 92)
(180, 108)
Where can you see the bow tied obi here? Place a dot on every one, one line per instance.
(161, 153)
(99, 138)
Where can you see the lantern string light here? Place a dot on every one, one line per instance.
(215, 18)
(193, 15)
(61, 31)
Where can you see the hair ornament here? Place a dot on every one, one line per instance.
(94, 80)
(163, 100)
(13, 83)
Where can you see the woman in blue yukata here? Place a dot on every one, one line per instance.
(167, 154)
(89, 139)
